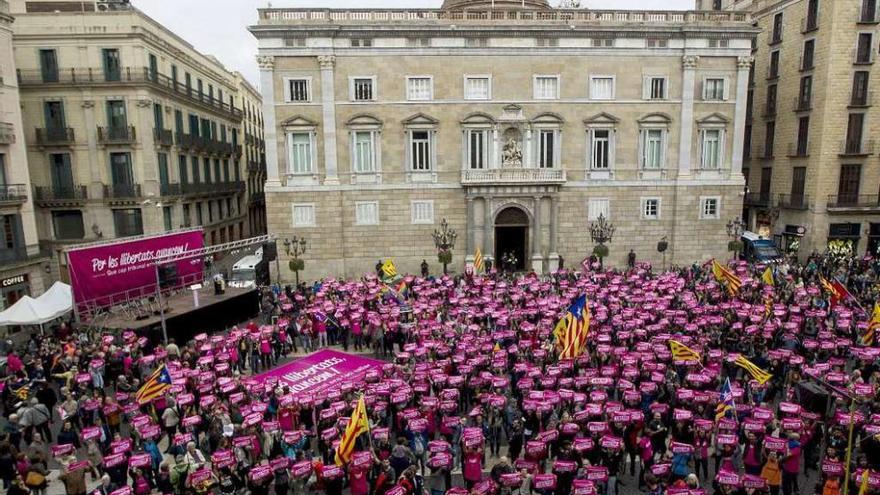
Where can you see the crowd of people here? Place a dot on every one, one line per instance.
(474, 398)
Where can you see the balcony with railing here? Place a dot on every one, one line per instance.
(311, 16)
(212, 188)
(163, 137)
(122, 191)
(60, 196)
(55, 136)
(794, 202)
(854, 203)
(123, 134)
(187, 141)
(856, 148)
(803, 104)
(861, 99)
(759, 199)
(128, 75)
(513, 176)
(7, 133)
(13, 193)
(170, 189)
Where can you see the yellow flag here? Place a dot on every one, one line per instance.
(767, 277)
(357, 426)
(757, 373)
(389, 269)
(478, 261)
(681, 352)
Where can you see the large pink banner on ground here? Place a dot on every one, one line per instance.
(323, 370)
(111, 273)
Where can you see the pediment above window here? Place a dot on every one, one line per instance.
(364, 120)
(602, 119)
(420, 120)
(548, 118)
(656, 119)
(298, 122)
(714, 119)
(478, 118)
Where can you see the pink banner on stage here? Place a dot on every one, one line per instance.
(323, 370)
(109, 273)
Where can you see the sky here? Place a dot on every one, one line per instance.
(219, 27)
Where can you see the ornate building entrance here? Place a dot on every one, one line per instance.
(511, 238)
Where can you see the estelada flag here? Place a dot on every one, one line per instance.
(767, 277)
(389, 269)
(358, 425)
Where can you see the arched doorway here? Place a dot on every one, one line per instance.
(511, 236)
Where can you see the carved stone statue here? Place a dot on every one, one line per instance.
(512, 153)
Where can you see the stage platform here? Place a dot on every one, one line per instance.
(183, 319)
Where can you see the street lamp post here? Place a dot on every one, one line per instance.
(444, 241)
(601, 231)
(735, 229)
(296, 247)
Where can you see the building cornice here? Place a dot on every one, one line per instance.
(641, 32)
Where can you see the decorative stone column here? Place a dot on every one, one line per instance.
(553, 258)
(267, 88)
(488, 229)
(328, 114)
(689, 68)
(537, 257)
(469, 247)
(744, 65)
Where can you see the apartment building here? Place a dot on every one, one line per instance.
(129, 130)
(22, 266)
(812, 165)
(251, 104)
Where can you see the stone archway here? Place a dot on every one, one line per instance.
(512, 236)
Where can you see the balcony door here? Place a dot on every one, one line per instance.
(112, 65)
(49, 66)
(121, 173)
(848, 187)
(62, 174)
(54, 114)
(116, 117)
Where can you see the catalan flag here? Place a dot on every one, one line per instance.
(723, 274)
(835, 289)
(356, 427)
(389, 269)
(572, 330)
(478, 261)
(870, 335)
(725, 402)
(154, 386)
(767, 277)
(681, 352)
(757, 373)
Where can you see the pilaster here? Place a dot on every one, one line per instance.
(267, 88)
(744, 65)
(328, 113)
(689, 68)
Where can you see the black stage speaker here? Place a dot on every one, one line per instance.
(270, 251)
(168, 275)
(814, 398)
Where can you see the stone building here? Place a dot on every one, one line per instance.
(518, 123)
(129, 130)
(21, 263)
(811, 161)
(254, 155)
